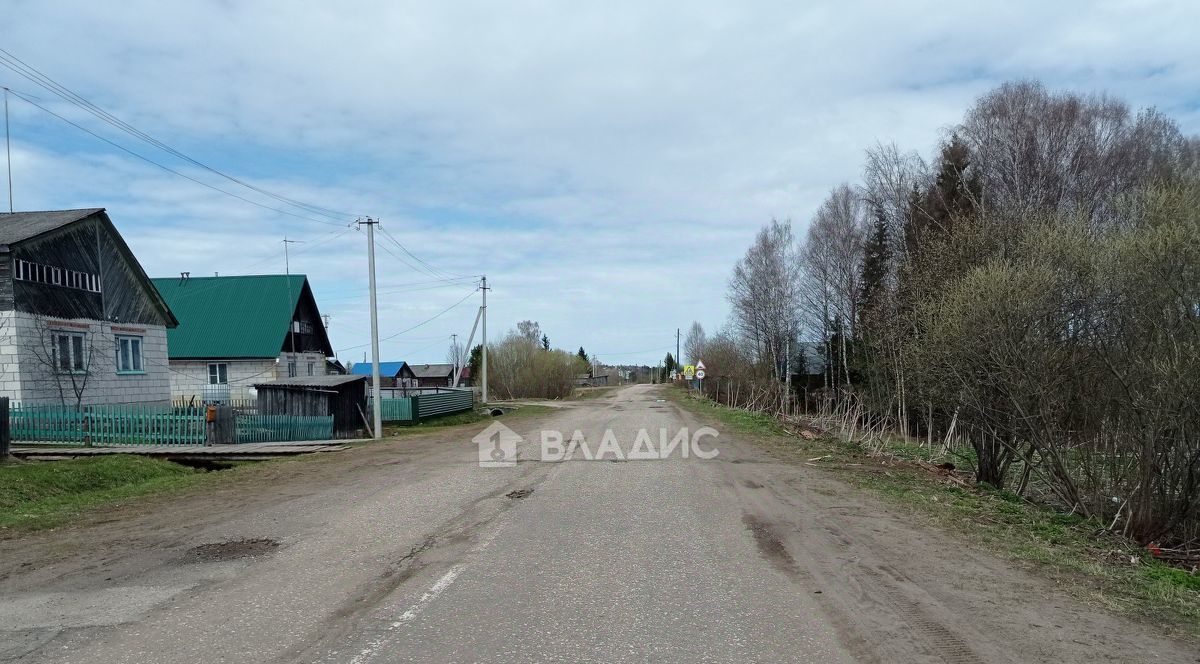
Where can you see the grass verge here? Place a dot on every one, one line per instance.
(1075, 553)
(43, 494)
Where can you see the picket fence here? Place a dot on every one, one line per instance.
(128, 424)
(133, 424)
(276, 428)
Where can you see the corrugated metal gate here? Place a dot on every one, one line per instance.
(442, 403)
(446, 401)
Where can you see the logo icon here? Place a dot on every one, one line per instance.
(497, 446)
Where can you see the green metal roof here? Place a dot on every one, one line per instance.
(231, 317)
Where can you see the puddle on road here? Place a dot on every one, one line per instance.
(232, 550)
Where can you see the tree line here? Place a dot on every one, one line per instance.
(1027, 300)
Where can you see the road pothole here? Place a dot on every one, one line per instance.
(232, 550)
(518, 494)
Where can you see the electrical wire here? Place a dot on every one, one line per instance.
(427, 320)
(169, 169)
(433, 270)
(34, 75)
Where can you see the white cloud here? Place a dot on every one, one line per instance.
(604, 163)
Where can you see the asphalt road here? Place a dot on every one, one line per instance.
(409, 551)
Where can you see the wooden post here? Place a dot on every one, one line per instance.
(5, 430)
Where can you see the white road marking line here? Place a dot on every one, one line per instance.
(430, 595)
(427, 597)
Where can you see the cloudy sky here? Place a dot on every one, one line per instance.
(604, 163)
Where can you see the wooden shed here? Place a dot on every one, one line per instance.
(344, 397)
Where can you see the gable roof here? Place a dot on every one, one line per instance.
(431, 370)
(18, 226)
(234, 317)
(387, 369)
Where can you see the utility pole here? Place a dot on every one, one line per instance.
(677, 350)
(8, 150)
(483, 355)
(457, 357)
(377, 401)
(287, 271)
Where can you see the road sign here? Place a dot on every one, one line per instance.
(700, 365)
(700, 374)
(689, 371)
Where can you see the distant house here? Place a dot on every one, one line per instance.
(240, 330)
(429, 375)
(389, 372)
(588, 380)
(80, 322)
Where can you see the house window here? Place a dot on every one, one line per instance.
(218, 373)
(129, 355)
(311, 368)
(68, 352)
(292, 369)
(302, 327)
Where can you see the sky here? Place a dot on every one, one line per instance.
(605, 164)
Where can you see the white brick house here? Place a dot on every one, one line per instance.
(80, 323)
(236, 331)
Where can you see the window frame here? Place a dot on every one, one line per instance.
(218, 371)
(76, 352)
(137, 361)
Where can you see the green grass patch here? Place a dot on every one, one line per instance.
(1075, 552)
(44, 494)
(740, 421)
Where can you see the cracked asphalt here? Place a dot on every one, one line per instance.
(408, 551)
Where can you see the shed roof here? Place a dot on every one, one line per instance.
(313, 381)
(18, 226)
(431, 370)
(389, 369)
(233, 317)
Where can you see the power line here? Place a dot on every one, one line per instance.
(33, 74)
(313, 243)
(396, 291)
(169, 169)
(433, 271)
(633, 352)
(427, 320)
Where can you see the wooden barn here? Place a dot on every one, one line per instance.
(344, 397)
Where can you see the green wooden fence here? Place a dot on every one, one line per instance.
(127, 424)
(394, 410)
(281, 428)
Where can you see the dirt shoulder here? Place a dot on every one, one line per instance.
(170, 513)
(955, 537)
